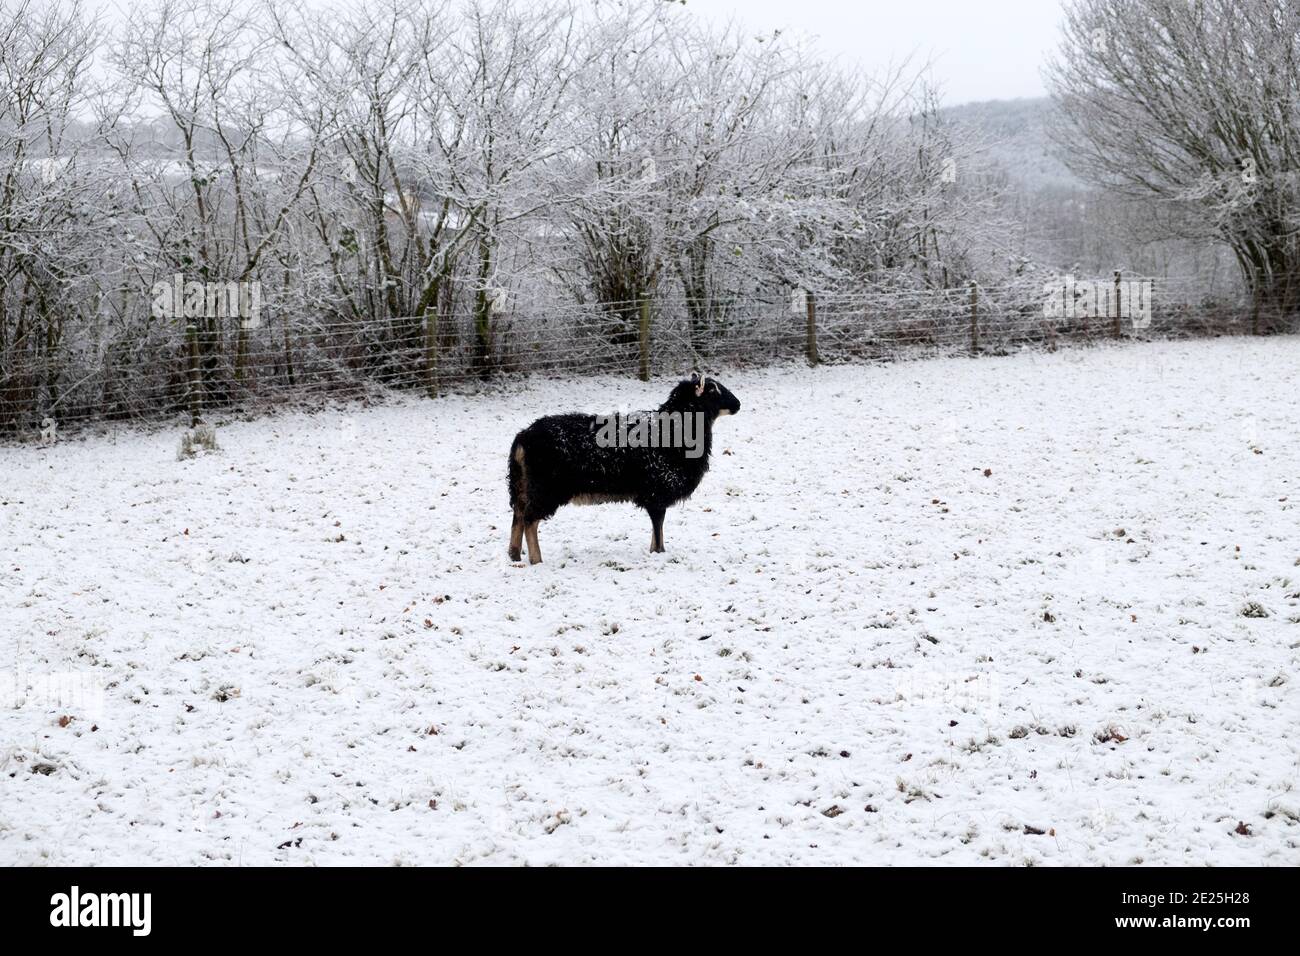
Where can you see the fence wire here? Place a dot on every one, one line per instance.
(180, 367)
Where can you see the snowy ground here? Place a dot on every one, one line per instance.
(951, 611)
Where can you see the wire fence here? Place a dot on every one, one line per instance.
(193, 367)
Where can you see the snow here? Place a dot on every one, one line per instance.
(916, 613)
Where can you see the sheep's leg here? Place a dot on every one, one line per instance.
(534, 549)
(516, 535)
(656, 529)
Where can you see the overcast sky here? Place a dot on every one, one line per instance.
(981, 49)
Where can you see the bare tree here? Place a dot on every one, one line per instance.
(1193, 105)
(219, 169)
(51, 192)
(433, 187)
(493, 108)
(387, 245)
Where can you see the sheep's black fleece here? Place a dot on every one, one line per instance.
(557, 460)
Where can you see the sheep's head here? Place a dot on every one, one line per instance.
(701, 393)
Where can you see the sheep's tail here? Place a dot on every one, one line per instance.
(518, 477)
(518, 505)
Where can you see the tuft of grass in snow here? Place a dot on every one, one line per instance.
(202, 437)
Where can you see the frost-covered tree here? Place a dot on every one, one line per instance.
(52, 197)
(495, 106)
(1193, 105)
(384, 233)
(432, 187)
(214, 164)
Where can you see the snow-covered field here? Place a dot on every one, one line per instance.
(1040, 609)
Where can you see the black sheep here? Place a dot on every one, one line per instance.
(652, 459)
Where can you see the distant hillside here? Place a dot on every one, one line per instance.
(1016, 132)
(1059, 221)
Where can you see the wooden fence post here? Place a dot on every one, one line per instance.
(643, 339)
(288, 356)
(974, 319)
(814, 358)
(195, 374)
(431, 352)
(1119, 327)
